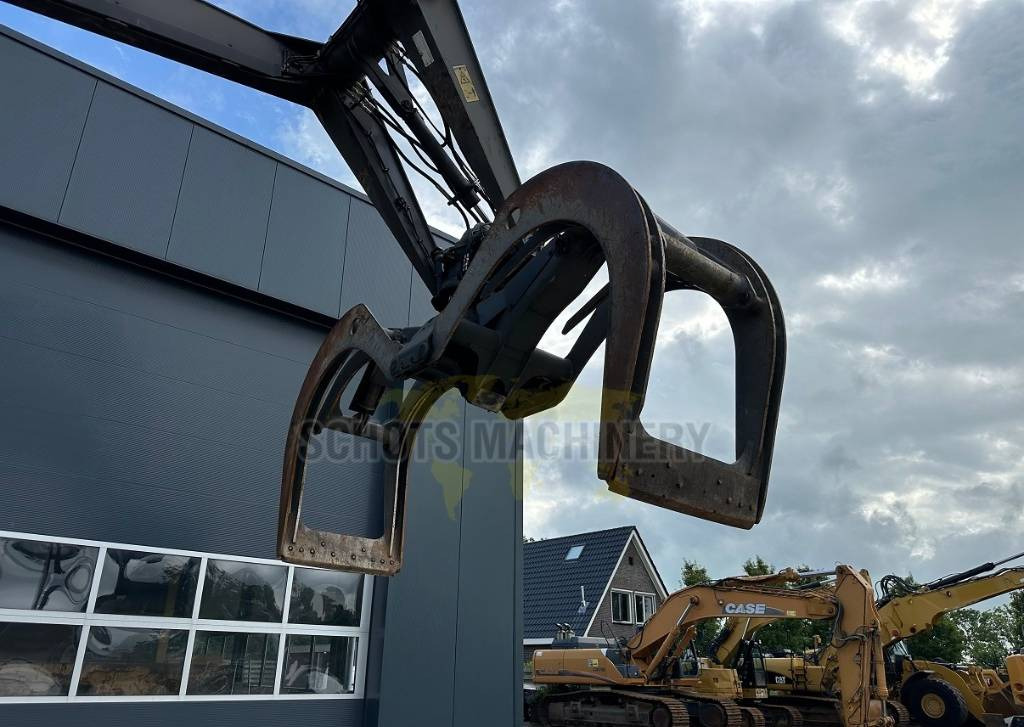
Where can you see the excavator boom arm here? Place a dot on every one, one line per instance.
(904, 616)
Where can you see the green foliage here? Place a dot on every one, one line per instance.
(694, 574)
(945, 641)
(757, 566)
(786, 635)
(1014, 611)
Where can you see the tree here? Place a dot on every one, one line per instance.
(988, 642)
(945, 640)
(786, 635)
(1014, 611)
(757, 566)
(694, 574)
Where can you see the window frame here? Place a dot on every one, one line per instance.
(629, 600)
(654, 606)
(192, 625)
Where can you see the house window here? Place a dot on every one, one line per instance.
(644, 606)
(83, 621)
(622, 607)
(574, 552)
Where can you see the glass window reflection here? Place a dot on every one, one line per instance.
(325, 598)
(36, 660)
(237, 591)
(319, 665)
(137, 583)
(131, 662)
(233, 663)
(45, 576)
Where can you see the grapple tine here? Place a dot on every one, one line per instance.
(356, 343)
(643, 467)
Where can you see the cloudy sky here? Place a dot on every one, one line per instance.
(868, 154)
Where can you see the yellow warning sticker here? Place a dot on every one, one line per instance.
(465, 83)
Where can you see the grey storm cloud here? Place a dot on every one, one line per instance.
(868, 155)
(885, 207)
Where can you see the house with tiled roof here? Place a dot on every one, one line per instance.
(602, 584)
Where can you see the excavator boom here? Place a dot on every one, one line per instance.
(917, 611)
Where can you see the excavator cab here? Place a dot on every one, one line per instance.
(750, 667)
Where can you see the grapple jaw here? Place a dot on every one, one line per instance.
(548, 240)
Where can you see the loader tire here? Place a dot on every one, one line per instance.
(934, 702)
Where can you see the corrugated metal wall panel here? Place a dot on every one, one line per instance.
(335, 713)
(138, 429)
(45, 103)
(376, 270)
(418, 679)
(486, 608)
(221, 224)
(124, 187)
(305, 251)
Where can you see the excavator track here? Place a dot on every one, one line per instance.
(813, 711)
(753, 717)
(710, 711)
(779, 715)
(899, 713)
(612, 708)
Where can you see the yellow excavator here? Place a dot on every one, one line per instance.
(936, 694)
(654, 680)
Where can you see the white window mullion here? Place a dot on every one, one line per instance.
(101, 558)
(283, 638)
(186, 666)
(90, 607)
(76, 672)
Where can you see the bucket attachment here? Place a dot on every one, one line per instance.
(548, 240)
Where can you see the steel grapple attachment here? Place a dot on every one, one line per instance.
(549, 239)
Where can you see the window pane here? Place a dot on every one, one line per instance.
(235, 591)
(326, 598)
(319, 665)
(45, 576)
(36, 660)
(125, 662)
(147, 584)
(620, 607)
(229, 663)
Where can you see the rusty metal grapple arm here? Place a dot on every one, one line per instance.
(532, 251)
(549, 239)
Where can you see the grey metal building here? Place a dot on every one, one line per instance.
(163, 286)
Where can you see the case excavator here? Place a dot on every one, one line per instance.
(936, 694)
(650, 680)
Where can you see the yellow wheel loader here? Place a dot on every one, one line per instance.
(654, 680)
(935, 694)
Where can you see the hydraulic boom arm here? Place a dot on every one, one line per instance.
(917, 611)
(529, 251)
